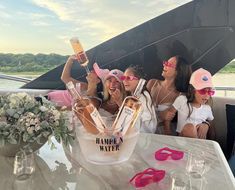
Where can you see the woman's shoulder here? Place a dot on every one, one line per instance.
(181, 97)
(152, 82)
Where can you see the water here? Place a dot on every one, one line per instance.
(224, 79)
(220, 79)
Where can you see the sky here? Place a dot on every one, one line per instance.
(45, 26)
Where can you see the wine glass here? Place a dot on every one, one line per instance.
(80, 53)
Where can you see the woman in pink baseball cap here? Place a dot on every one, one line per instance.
(63, 98)
(113, 90)
(194, 113)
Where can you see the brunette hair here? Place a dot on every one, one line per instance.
(184, 71)
(139, 73)
(190, 95)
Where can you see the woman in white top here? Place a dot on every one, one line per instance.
(148, 120)
(176, 73)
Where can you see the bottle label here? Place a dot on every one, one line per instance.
(82, 58)
(125, 120)
(98, 120)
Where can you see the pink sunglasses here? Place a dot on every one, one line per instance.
(128, 78)
(146, 177)
(163, 153)
(168, 64)
(204, 91)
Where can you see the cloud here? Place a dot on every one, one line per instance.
(40, 23)
(3, 12)
(64, 9)
(101, 20)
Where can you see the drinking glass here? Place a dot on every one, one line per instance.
(24, 165)
(196, 164)
(179, 180)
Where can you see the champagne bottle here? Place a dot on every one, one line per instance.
(80, 53)
(86, 112)
(129, 111)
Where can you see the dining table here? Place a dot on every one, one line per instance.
(65, 167)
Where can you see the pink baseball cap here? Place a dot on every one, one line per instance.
(200, 79)
(115, 73)
(101, 73)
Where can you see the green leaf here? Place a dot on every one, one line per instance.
(12, 141)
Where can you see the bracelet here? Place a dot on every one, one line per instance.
(206, 122)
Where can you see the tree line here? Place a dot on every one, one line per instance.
(44, 62)
(30, 62)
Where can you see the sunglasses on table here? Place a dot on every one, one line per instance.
(150, 175)
(128, 78)
(205, 91)
(168, 64)
(163, 154)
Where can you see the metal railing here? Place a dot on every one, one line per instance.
(15, 78)
(225, 89)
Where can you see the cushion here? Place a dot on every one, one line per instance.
(230, 115)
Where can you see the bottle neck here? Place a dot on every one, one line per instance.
(72, 90)
(139, 87)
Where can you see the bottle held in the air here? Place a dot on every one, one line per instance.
(80, 53)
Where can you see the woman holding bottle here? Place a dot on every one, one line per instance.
(113, 90)
(131, 79)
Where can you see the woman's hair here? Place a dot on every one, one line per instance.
(190, 95)
(139, 73)
(106, 95)
(184, 71)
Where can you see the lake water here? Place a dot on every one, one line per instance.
(219, 79)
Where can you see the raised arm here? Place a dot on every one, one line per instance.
(66, 74)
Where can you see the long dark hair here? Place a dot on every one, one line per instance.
(184, 72)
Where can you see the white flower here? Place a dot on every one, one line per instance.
(43, 108)
(30, 130)
(22, 114)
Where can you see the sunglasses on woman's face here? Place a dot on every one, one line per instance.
(128, 78)
(168, 64)
(205, 91)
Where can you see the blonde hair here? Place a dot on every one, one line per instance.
(106, 95)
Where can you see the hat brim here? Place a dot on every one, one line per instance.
(101, 73)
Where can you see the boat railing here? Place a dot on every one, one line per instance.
(15, 78)
(225, 90)
(220, 90)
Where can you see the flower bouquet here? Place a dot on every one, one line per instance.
(24, 120)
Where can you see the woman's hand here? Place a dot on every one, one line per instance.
(92, 78)
(167, 115)
(202, 130)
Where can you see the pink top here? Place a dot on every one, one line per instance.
(60, 97)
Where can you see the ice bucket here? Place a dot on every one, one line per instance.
(104, 149)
